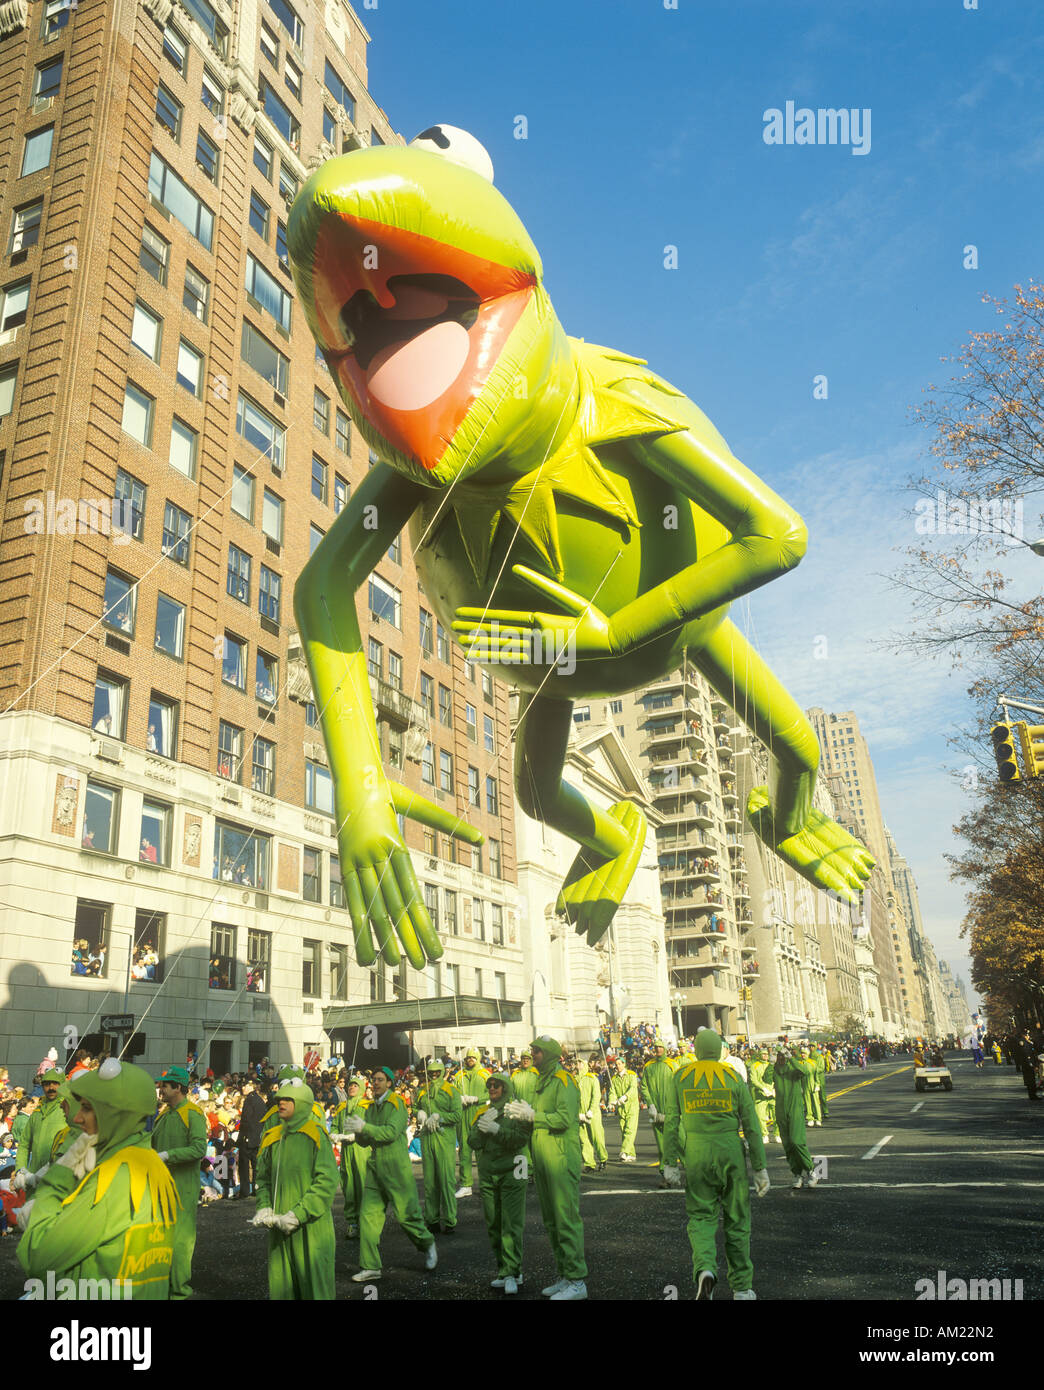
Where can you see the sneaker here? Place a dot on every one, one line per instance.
(627, 1158)
(779, 1138)
(431, 1257)
(812, 1179)
(574, 1289)
(366, 1276)
(498, 1282)
(705, 1285)
(744, 1295)
(463, 1192)
(511, 1285)
(799, 1181)
(552, 1289)
(603, 1165)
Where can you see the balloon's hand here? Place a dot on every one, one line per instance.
(821, 852)
(513, 637)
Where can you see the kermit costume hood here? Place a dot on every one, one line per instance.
(509, 1091)
(708, 1046)
(123, 1097)
(552, 1051)
(300, 1092)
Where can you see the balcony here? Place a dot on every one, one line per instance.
(669, 736)
(694, 787)
(732, 818)
(692, 813)
(691, 898)
(397, 706)
(741, 892)
(692, 843)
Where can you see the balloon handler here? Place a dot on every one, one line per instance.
(105, 1209)
(353, 1156)
(296, 1184)
(500, 1145)
(439, 1116)
(701, 1134)
(790, 1076)
(179, 1136)
(578, 524)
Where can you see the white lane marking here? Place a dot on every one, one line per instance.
(872, 1153)
(917, 1107)
(779, 1187)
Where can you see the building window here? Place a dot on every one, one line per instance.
(90, 939)
(287, 185)
(473, 786)
(282, 249)
(47, 80)
(280, 115)
(175, 196)
(338, 963)
(310, 968)
(242, 855)
(176, 528)
(272, 516)
(196, 296)
(268, 591)
(238, 580)
(342, 428)
(445, 771)
(313, 875)
(339, 91)
(168, 111)
(155, 254)
(262, 770)
(25, 229)
(14, 305)
(329, 127)
(128, 505)
(488, 734)
(428, 765)
(269, 45)
(138, 409)
(150, 931)
(321, 412)
(292, 78)
(319, 479)
(494, 859)
(266, 678)
(259, 960)
(155, 833)
(183, 442)
(56, 16)
(491, 795)
(207, 17)
(496, 914)
(471, 722)
(315, 536)
(175, 50)
(375, 659)
(441, 643)
(259, 216)
(233, 662)
(341, 493)
(395, 551)
(206, 155)
(427, 693)
(445, 706)
(8, 381)
(385, 600)
(242, 498)
(431, 902)
(101, 818)
(265, 359)
(222, 956)
(260, 430)
(190, 369)
(212, 95)
(268, 293)
(337, 898)
(162, 735)
(478, 921)
(427, 633)
(109, 716)
(37, 152)
(230, 751)
(263, 156)
(287, 17)
(450, 899)
(170, 626)
(318, 788)
(394, 747)
(119, 602)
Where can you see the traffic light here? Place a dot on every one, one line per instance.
(1004, 751)
(1031, 736)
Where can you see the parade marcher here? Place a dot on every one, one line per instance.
(623, 1098)
(251, 1118)
(809, 1094)
(354, 1156)
(438, 1114)
(819, 1057)
(105, 1209)
(705, 1109)
(657, 1080)
(788, 1081)
(470, 1085)
(271, 1116)
(555, 1117)
(592, 1134)
(296, 1185)
(759, 1079)
(524, 1081)
(389, 1178)
(498, 1142)
(37, 1138)
(179, 1136)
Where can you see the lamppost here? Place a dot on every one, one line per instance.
(678, 1000)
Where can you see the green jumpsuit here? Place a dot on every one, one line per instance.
(759, 1079)
(821, 1070)
(438, 1152)
(809, 1089)
(556, 1162)
(353, 1161)
(118, 1223)
(502, 1181)
(468, 1083)
(34, 1146)
(297, 1172)
(657, 1083)
(182, 1135)
(524, 1081)
(705, 1110)
(592, 1134)
(389, 1178)
(788, 1078)
(623, 1088)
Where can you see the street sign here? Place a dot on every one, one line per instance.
(117, 1023)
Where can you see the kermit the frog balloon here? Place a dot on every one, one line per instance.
(577, 522)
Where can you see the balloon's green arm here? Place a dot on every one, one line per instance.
(332, 643)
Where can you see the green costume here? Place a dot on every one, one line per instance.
(181, 1134)
(353, 1160)
(657, 1083)
(623, 1088)
(789, 1084)
(469, 1083)
(592, 1134)
(705, 1110)
(438, 1149)
(809, 1090)
(524, 1080)
(118, 1221)
(389, 1178)
(297, 1174)
(502, 1180)
(819, 1058)
(759, 1079)
(535, 471)
(270, 1118)
(37, 1137)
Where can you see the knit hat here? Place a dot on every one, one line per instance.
(177, 1076)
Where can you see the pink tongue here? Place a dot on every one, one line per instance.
(410, 375)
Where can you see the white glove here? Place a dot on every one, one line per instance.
(287, 1223)
(487, 1122)
(519, 1110)
(420, 1118)
(470, 1100)
(164, 1155)
(349, 1138)
(586, 1115)
(672, 1175)
(433, 1124)
(654, 1115)
(341, 1138)
(23, 1181)
(80, 1156)
(23, 1213)
(264, 1217)
(761, 1182)
(354, 1124)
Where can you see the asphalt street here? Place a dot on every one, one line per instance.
(914, 1184)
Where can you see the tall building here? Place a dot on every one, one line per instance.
(925, 963)
(172, 449)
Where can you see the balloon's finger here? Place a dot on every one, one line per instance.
(365, 953)
(570, 601)
(378, 914)
(427, 936)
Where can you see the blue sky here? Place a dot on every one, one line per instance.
(645, 129)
